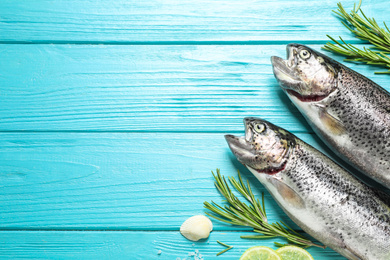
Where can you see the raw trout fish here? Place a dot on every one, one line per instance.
(321, 197)
(348, 111)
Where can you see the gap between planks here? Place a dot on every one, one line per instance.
(138, 131)
(121, 230)
(306, 42)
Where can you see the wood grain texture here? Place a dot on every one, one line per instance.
(123, 21)
(117, 181)
(144, 88)
(112, 115)
(127, 245)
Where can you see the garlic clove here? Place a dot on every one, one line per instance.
(196, 227)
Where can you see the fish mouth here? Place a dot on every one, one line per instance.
(240, 147)
(284, 70)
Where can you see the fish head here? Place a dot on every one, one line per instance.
(306, 73)
(265, 147)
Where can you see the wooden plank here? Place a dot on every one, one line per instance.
(128, 245)
(125, 21)
(144, 88)
(125, 181)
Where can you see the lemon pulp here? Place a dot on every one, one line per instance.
(260, 253)
(293, 253)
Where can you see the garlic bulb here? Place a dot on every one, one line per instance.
(196, 227)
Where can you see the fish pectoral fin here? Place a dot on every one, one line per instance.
(351, 255)
(384, 196)
(339, 244)
(288, 194)
(331, 123)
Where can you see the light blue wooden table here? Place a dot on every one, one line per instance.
(112, 116)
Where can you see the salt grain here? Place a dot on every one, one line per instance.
(193, 256)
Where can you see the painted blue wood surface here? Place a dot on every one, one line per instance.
(169, 21)
(112, 115)
(111, 180)
(127, 245)
(125, 88)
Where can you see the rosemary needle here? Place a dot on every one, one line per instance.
(226, 249)
(239, 213)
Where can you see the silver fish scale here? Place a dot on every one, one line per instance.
(363, 108)
(349, 217)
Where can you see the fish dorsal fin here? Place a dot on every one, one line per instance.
(331, 123)
(288, 194)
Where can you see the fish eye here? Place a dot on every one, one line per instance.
(305, 54)
(320, 59)
(259, 128)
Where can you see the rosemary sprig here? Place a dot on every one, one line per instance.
(368, 30)
(252, 215)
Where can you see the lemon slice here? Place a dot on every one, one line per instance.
(293, 253)
(260, 253)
